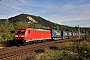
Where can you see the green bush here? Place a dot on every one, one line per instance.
(4, 36)
(7, 43)
(78, 50)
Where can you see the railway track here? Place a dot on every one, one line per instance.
(23, 52)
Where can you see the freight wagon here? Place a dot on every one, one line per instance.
(74, 34)
(64, 34)
(69, 34)
(56, 33)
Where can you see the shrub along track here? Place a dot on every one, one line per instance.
(23, 52)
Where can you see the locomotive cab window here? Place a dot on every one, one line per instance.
(20, 31)
(28, 31)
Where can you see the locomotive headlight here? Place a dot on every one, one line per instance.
(16, 35)
(22, 35)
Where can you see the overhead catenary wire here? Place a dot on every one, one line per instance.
(24, 4)
(15, 9)
(9, 7)
(27, 6)
(5, 13)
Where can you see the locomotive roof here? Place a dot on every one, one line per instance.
(32, 29)
(21, 28)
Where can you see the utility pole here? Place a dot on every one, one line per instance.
(79, 31)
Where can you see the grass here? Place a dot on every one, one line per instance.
(72, 50)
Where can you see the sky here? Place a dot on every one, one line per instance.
(64, 12)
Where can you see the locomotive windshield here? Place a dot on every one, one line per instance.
(20, 31)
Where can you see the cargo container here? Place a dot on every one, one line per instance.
(74, 34)
(77, 34)
(56, 33)
(64, 33)
(69, 33)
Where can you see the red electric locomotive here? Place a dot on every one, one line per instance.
(29, 34)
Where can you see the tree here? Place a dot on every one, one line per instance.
(21, 24)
